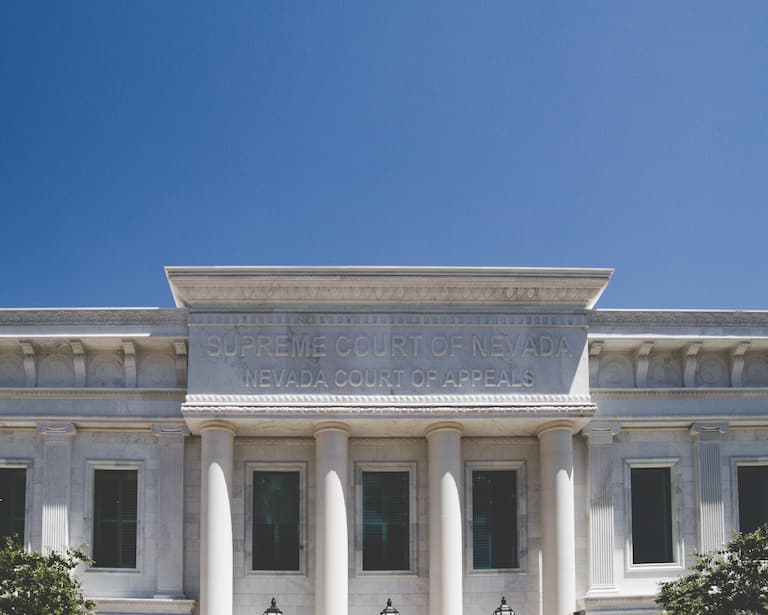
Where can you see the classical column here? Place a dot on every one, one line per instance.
(711, 512)
(557, 522)
(57, 468)
(170, 509)
(216, 559)
(600, 438)
(331, 539)
(446, 574)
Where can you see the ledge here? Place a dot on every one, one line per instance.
(143, 606)
(209, 287)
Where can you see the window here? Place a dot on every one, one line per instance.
(651, 494)
(115, 518)
(753, 496)
(13, 488)
(494, 519)
(386, 496)
(275, 532)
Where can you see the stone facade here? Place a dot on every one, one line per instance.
(333, 372)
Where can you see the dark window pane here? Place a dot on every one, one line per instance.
(651, 515)
(753, 497)
(115, 518)
(494, 519)
(275, 532)
(13, 491)
(386, 541)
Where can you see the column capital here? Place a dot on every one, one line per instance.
(331, 426)
(170, 433)
(561, 425)
(601, 433)
(218, 425)
(55, 431)
(443, 426)
(708, 431)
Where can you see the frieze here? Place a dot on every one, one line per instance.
(702, 393)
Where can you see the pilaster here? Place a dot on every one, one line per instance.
(711, 510)
(170, 509)
(57, 469)
(601, 529)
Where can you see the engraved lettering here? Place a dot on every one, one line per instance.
(214, 346)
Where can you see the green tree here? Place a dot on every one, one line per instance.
(36, 584)
(729, 581)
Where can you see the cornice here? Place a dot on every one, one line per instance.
(94, 316)
(206, 287)
(579, 411)
(287, 400)
(94, 393)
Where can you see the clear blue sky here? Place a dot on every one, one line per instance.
(136, 134)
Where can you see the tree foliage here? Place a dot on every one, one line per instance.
(41, 584)
(732, 580)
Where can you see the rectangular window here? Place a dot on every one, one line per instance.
(651, 492)
(494, 519)
(13, 489)
(115, 518)
(753, 497)
(386, 520)
(275, 535)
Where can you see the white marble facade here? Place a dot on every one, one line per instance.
(331, 372)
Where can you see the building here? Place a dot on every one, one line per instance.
(333, 437)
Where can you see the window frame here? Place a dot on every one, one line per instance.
(14, 463)
(275, 466)
(678, 549)
(90, 507)
(736, 463)
(519, 467)
(387, 466)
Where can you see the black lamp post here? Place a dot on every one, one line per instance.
(504, 608)
(389, 609)
(272, 609)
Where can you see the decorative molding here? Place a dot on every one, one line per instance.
(180, 347)
(595, 348)
(601, 433)
(580, 411)
(691, 353)
(665, 393)
(94, 317)
(708, 431)
(78, 360)
(386, 400)
(129, 361)
(368, 320)
(674, 318)
(240, 286)
(737, 363)
(170, 433)
(30, 364)
(55, 431)
(94, 393)
(642, 363)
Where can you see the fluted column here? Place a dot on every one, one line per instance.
(57, 468)
(558, 525)
(170, 510)
(711, 512)
(332, 540)
(446, 574)
(600, 438)
(216, 558)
